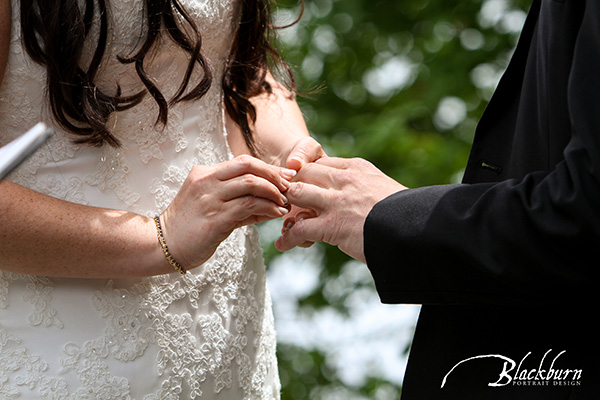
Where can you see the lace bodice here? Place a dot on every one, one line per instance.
(208, 333)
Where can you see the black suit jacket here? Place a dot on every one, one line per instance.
(506, 263)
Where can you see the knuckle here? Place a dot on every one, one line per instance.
(244, 160)
(296, 189)
(361, 163)
(336, 197)
(356, 161)
(247, 202)
(197, 174)
(299, 228)
(249, 180)
(345, 176)
(315, 147)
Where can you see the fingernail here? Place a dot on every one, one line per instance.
(285, 183)
(278, 243)
(299, 159)
(283, 210)
(288, 173)
(285, 200)
(288, 226)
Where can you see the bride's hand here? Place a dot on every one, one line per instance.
(215, 200)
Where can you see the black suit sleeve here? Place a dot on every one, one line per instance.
(530, 240)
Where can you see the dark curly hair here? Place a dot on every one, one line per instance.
(54, 32)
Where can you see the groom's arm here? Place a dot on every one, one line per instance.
(521, 241)
(515, 242)
(529, 240)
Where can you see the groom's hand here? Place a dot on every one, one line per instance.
(341, 192)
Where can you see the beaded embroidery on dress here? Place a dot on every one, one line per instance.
(208, 334)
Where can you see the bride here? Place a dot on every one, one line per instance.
(129, 268)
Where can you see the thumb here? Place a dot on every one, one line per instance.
(306, 150)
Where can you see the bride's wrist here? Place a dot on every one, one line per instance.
(164, 247)
(149, 259)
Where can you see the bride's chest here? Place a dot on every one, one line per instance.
(128, 19)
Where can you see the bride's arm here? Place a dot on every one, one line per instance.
(280, 132)
(42, 235)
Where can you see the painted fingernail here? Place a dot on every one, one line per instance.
(288, 173)
(285, 200)
(283, 210)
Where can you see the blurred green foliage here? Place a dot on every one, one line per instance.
(401, 83)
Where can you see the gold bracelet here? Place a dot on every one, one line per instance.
(165, 249)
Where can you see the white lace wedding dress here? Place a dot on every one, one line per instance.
(206, 335)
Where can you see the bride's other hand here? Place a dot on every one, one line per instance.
(302, 152)
(215, 200)
(279, 130)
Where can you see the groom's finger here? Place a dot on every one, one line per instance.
(309, 196)
(336, 162)
(333, 172)
(302, 232)
(320, 175)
